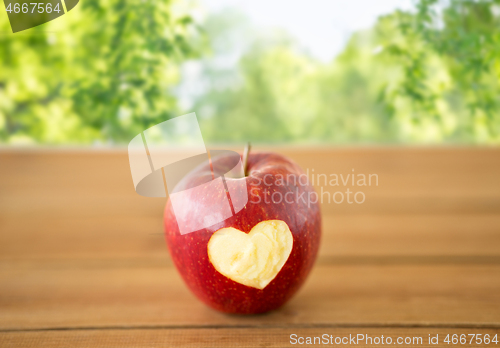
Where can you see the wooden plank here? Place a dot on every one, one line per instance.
(110, 294)
(411, 235)
(78, 204)
(411, 180)
(247, 337)
(141, 238)
(114, 237)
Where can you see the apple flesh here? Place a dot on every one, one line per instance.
(256, 260)
(252, 259)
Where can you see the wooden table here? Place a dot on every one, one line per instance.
(83, 262)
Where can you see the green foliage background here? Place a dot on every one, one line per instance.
(101, 72)
(431, 75)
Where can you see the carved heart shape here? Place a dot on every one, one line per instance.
(252, 259)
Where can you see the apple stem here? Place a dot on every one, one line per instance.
(246, 151)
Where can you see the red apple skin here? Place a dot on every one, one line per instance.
(190, 256)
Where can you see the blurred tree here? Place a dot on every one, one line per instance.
(284, 94)
(428, 75)
(448, 54)
(102, 72)
(106, 72)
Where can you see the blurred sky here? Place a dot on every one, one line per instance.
(321, 26)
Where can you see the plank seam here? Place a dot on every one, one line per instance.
(267, 326)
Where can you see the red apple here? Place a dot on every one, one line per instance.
(256, 260)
